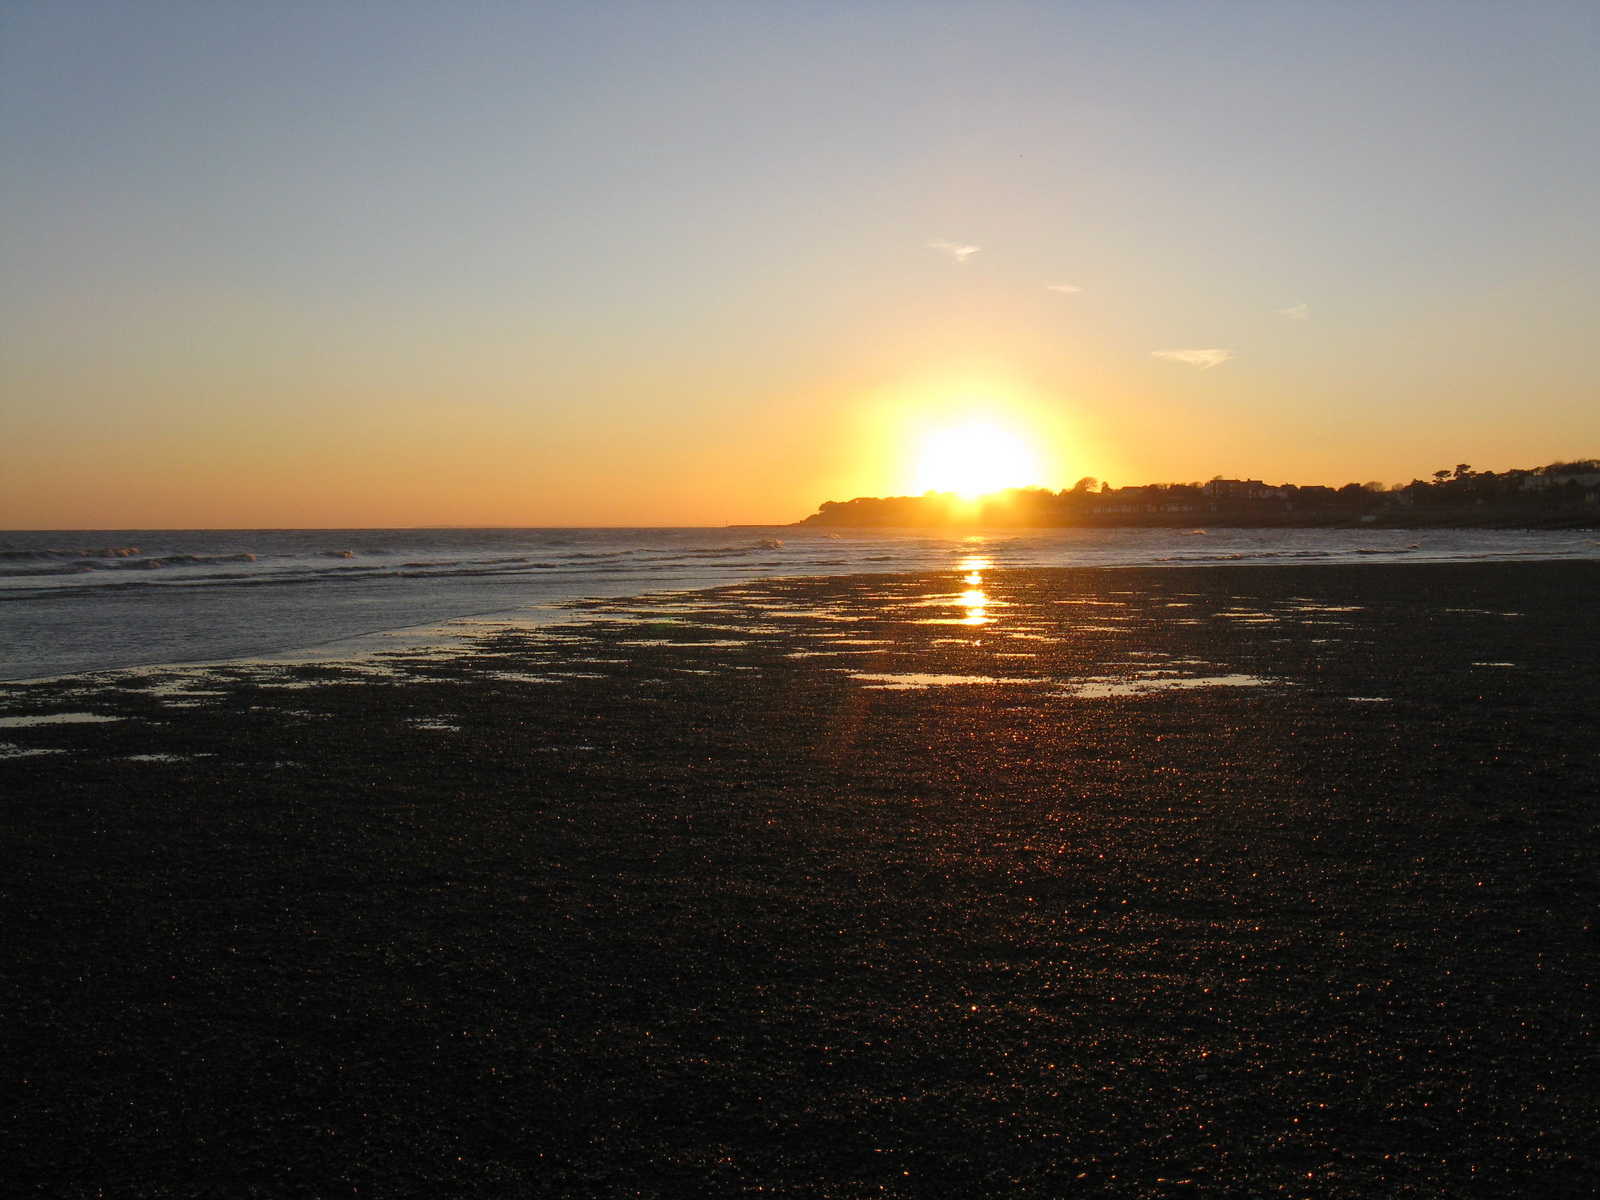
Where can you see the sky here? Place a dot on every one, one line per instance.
(348, 264)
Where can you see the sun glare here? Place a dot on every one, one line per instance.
(975, 459)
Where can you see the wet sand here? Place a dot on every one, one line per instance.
(1123, 882)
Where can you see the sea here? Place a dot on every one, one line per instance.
(92, 600)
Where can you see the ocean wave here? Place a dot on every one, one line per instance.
(185, 560)
(720, 552)
(36, 555)
(80, 566)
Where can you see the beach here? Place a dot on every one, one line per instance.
(1140, 881)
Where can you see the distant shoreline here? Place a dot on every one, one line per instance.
(1561, 495)
(1583, 517)
(1589, 520)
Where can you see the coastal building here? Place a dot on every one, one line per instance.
(1587, 479)
(1242, 489)
(1144, 508)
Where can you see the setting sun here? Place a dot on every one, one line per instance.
(974, 459)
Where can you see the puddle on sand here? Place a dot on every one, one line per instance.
(54, 719)
(742, 629)
(9, 750)
(684, 645)
(901, 683)
(1104, 687)
(819, 614)
(971, 598)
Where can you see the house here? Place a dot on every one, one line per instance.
(1587, 480)
(1242, 489)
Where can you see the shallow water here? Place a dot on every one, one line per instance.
(79, 601)
(66, 718)
(1150, 683)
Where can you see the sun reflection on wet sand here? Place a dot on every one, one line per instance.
(974, 599)
(908, 682)
(976, 604)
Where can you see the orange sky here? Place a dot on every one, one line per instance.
(405, 265)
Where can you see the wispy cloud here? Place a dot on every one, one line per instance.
(955, 250)
(1298, 313)
(1064, 288)
(1202, 359)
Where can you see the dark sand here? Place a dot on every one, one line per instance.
(708, 920)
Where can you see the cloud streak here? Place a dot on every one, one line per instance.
(955, 250)
(1298, 313)
(1066, 289)
(1200, 359)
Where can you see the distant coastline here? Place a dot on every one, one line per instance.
(1564, 495)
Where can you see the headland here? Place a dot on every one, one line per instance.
(1563, 495)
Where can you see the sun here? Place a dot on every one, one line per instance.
(974, 459)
